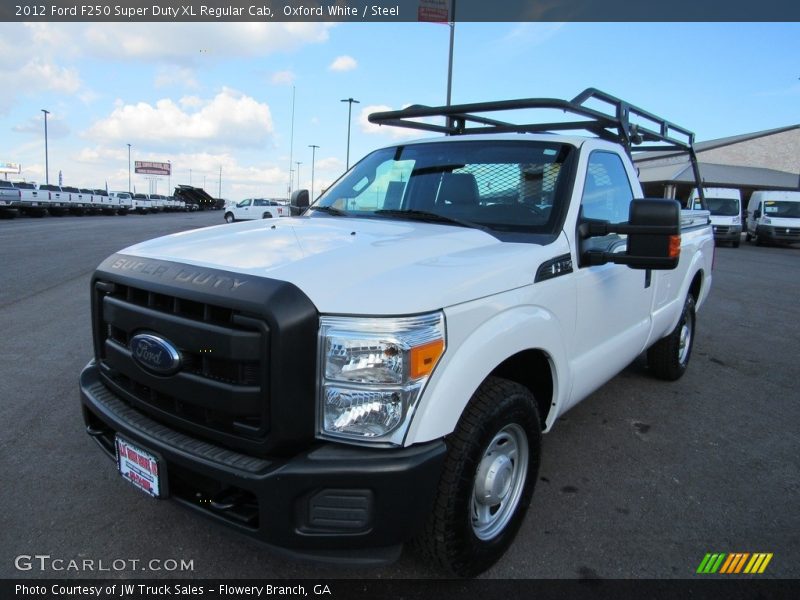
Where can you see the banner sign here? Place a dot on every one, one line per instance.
(9, 167)
(152, 168)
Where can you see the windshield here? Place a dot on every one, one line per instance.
(497, 185)
(782, 208)
(723, 207)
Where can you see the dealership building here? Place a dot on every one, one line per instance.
(764, 160)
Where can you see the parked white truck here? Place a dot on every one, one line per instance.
(725, 207)
(255, 208)
(381, 368)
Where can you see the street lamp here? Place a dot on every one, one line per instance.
(350, 102)
(298, 173)
(129, 168)
(46, 161)
(313, 155)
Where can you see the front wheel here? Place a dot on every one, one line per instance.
(487, 480)
(669, 356)
(229, 218)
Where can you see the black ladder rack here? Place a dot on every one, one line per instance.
(462, 119)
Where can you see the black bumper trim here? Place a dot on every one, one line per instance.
(278, 498)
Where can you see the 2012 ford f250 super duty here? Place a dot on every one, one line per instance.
(381, 368)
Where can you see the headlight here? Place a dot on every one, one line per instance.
(373, 371)
(766, 221)
(737, 220)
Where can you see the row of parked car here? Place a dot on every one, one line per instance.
(39, 200)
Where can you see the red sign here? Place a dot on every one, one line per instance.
(152, 168)
(434, 11)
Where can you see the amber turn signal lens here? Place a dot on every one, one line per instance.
(423, 358)
(674, 246)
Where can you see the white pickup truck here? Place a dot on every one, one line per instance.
(381, 369)
(255, 208)
(9, 196)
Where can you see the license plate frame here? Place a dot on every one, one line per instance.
(142, 468)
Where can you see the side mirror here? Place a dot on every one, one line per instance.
(757, 214)
(298, 202)
(653, 230)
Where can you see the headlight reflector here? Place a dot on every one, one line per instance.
(373, 371)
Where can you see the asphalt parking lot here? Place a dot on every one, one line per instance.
(641, 480)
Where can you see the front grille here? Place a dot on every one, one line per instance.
(221, 391)
(721, 229)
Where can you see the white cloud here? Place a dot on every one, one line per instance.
(343, 63)
(176, 76)
(283, 78)
(56, 127)
(191, 102)
(329, 164)
(195, 43)
(229, 119)
(396, 133)
(37, 75)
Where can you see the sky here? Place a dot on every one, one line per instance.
(218, 96)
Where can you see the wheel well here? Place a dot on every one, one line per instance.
(697, 284)
(531, 368)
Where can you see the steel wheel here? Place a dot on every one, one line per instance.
(499, 482)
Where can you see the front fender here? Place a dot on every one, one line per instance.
(469, 360)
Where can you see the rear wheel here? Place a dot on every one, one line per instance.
(669, 357)
(487, 480)
(229, 218)
(266, 215)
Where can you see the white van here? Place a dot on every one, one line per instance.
(725, 205)
(773, 217)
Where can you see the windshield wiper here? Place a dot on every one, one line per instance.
(431, 217)
(329, 210)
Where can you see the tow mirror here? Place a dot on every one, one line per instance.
(653, 230)
(298, 202)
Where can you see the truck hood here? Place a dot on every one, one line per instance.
(360, 266)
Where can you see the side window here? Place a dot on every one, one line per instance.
(607, 192)
(244, 203)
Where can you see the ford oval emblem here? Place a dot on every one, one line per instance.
(155, 354)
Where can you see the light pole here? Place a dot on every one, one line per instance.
(350, 102)
(46, 160)
(129, 168)
(313, 155)
(298, 163)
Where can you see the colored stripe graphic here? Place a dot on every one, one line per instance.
(734, 563)
(711, 563)
(758, 563)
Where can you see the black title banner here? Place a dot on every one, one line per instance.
(397, 10)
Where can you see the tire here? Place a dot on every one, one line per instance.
(748, 237)
(266, 215)
(669, 356)
(736, 243)
(498, 433)
(229, 218)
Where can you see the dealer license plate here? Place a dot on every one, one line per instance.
(139, 467)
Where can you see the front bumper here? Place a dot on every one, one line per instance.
(330, 502)
(771, 233)
(727, 233)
